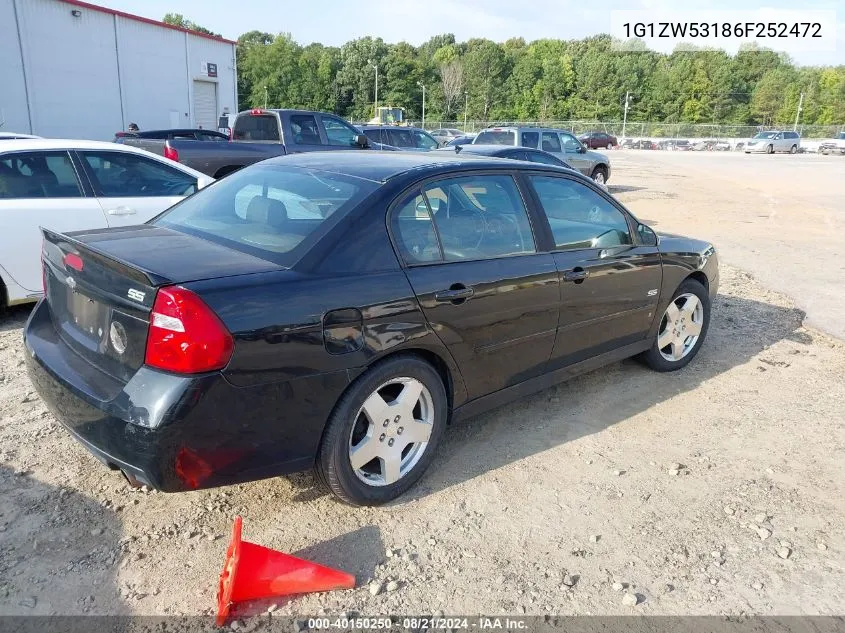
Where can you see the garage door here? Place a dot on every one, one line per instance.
(205, 104)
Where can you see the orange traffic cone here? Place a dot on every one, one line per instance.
(253, 572)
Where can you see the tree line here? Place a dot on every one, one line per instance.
(545, 79)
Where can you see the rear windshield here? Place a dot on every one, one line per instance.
(256, 127)
(268, 211)
(496, 137)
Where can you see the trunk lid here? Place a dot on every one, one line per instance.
(101, 285)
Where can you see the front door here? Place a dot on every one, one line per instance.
(573, 153)
(132, 189)
(39, 189)
(610, 284)
(474, 267)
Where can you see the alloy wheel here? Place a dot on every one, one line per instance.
(391, 431)
(680, 327)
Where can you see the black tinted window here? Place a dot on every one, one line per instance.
(551, 142)
(401, 138)
(479, 217)
(267, 211)
(124, 175)
(38, 175)
(305, 130)
(579, 217)
(545, 159)
(495, 137)
(373, 135)
(256, 127)
(413, 229)
(530, 139)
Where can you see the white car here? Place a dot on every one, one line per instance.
(7, 136)
(67, 185)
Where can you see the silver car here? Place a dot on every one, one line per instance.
(558, 142)
(773, 141)
(444, 135)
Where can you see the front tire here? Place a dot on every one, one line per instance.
(682, 328)
(793, 149)
(599, 175)
(610, 146)
(383, 432)
(770, 149)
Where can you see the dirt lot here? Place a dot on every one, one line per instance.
(719, 489)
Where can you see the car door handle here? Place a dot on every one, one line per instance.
(121, 210)
(457, 294)
(576, 274)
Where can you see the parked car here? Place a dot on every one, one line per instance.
(674, 145)
(259, 134)
(187, 352)
(402, 138)
(186, 134)
(598, 140)
(68, 185)
(9, 136)
(644, 143)
(774, 141)
(514, 153)
(558, 142)
(461, 140)
(444, 135)
(836, 146)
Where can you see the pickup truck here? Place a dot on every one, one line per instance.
(259, 134)
(835, 146)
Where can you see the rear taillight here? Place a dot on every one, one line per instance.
(186, 337)
(171, 153)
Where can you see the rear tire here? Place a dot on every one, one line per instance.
(793, 149)
(674, 345)
(398, 398)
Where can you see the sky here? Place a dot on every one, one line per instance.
(333, 22)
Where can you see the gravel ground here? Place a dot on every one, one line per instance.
(719, 489)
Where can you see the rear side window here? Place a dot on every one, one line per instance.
(401, 138)
(256, 127)
(373, 135)
(125, 175)
(530, 139)
(496, 137)
(551, 142)
(545, 159)
(305, 130)
(38, 175)
(413, 228)
(272, 212)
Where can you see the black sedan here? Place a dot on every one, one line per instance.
(335, 310)
(504, 151)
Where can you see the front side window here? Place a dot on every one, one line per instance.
(305, 130)
(401, 138)
(339, 133)
(424, 141)
(479, 217)
(38, 175)
(579, 217)
(125, 175)
(571, 145)
(268, 211)
(551, 142)
(373, 135)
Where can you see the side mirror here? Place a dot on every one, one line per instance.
(362, 141)
(647, 236)
(582, 149)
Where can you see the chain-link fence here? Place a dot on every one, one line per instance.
(647, 130)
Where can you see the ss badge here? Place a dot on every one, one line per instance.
(135, 295)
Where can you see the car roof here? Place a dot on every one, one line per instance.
(392, 127)
(46, 144)
(382, 166)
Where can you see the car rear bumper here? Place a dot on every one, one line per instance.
(177, 433)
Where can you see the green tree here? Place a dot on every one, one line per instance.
(177, 19)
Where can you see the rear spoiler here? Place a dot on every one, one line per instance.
(64, 243)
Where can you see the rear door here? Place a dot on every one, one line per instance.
(610, 283)
(132, 189)
(472, 260)
(40, 189)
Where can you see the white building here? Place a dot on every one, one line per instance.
(70, 69)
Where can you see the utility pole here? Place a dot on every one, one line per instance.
(798, 114)
(422, 85)
(374, 65)
(265, 97)
(466, 107)
(625, 115)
